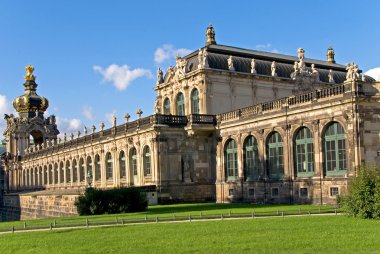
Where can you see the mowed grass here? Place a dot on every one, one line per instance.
(308, 234)
(164, 211)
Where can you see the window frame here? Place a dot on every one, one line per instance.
(304, 152)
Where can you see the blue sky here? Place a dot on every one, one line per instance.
(94, 59)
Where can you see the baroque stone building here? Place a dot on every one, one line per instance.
(229, 124)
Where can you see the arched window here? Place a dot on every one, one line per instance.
(98, 173)
(334, 150)
(40, 176)
(123, 173)
(195, 101)
(251, 158)
(146, 159)
(275, 155)
(67, 171)
(230, 160)
(35, 176)
(133, 161)
(61, 173)
(45, 175)
(304, 152)
(75, 171)
(180, 105)
(89, 166)
(56, 172)
(109, 166)
(166, 106)
(81, 170)
(50, 174)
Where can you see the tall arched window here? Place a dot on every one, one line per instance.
(275, 155)
(40, 176)
(195, 101)
(123, 173)
(56, 172)
(36, 177)
(61, 173)
(98, 172)
(304, 152)
(75, 171)
(81, 170)
(230, 160)
(45, 175)
(251, 158)
(68, 173)
(133, 161)
(89, 166)
(50, 174)
(109, 166)
(166, 106)
(180, 105)
(146, 159)
(334, 150)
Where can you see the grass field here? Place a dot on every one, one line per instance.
(166, 212)
(308, 234)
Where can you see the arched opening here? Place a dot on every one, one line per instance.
(251, 158)
(109, 166)
(68, 173)
(334, 153)
(146, 159)
(304, 153)
(82, 172)
(275, 156)
(180, 104)
(36, 137)
(230, 160)
(75, 171)
(195, 101)
(123, 173)
(61, 173)
(167, 106)
(98, 172)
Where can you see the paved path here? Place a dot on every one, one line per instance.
(164, 222)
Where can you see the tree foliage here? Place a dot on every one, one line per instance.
(363, 197)
(117, 200)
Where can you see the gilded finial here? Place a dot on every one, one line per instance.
(210, 35)
(29, 73)
(330, 55)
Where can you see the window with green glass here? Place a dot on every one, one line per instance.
(50, 174)
(334, 150)
(40, 175)
(98, 172)
(275, 156)
(304, 152)
(180, 105)
(89, 167)
(67, 172)
(61, 172)
(82, 172)
(133, 161)
(251, 158)
(195, 101)
(109, 166)
(167, 106)
(75, 171)
(122, 165)
(146, 154)
(231, 162)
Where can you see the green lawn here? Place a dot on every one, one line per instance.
(167, 212)
(308, 234)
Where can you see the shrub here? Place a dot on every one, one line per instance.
(363, 198)
(118, 200)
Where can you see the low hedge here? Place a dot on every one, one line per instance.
(118, 200)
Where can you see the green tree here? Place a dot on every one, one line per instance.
(363, 197)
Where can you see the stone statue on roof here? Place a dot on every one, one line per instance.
(230, 63)
(160, 76)
(202, 59)
(350, 71)
(273, 69)
(331, 77)
(314, 73)
(253, 66)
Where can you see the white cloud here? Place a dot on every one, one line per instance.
(374, 73)
(109, 116)
(121, 76)
(267, 47)
(66, 125)
(88, 113)
(168, 51)
(5, 108)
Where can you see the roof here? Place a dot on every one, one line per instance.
(218, 55)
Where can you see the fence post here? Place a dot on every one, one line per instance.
(87, 222)
(146, 218)
(13, 229)
(308, 212)
(189, 217)
(122, 221)
(156, 219)
(221, 216)
(282, 213)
